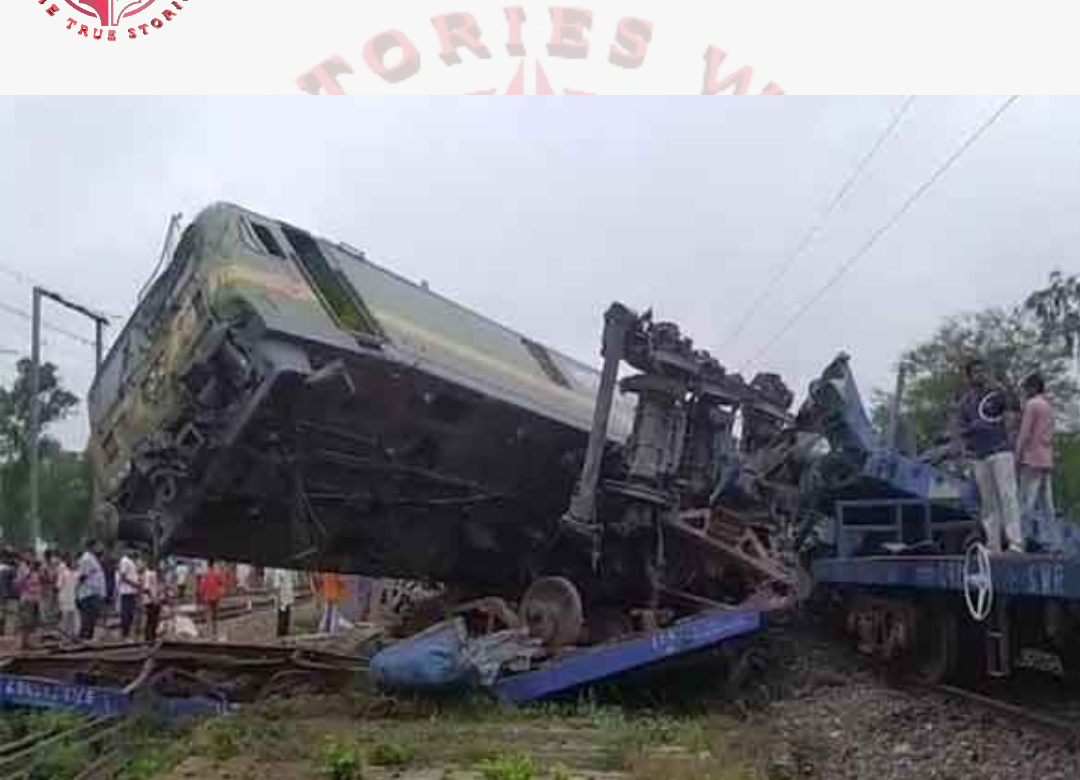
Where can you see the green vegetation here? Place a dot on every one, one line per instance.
(512, 767)
(1041, 334)
(341, 761)
(363, 735)
(391, 754)
(230, 736)
(65, 476)
(64, 762)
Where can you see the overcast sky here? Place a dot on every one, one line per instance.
(539, 213)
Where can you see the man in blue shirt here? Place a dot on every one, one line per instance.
(91, 590)
(986, 441)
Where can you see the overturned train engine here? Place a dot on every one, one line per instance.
(279, 399)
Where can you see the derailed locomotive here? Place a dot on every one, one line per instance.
(277, 398)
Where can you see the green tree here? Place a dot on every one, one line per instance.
(1043, 334)
(58, 469)
(1057, 309)
(1009, 340)
(65, 498)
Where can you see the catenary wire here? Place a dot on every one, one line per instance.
(23, 314)
(812, 233)
(848, 264)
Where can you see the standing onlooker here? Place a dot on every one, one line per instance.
(982, 420)
(1035, 449)
(283, 581)
(365, 588)
(211, 591)
(127, 586)
(183, 573)
(91, 591)
(50, 609)
(243, 583)
(66, 584)
(333, 593)
(29, 582)
(110, 605)
(153, 593)
(9, 598)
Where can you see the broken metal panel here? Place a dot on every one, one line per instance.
(593, 666)
(450, 339)
(650, 522)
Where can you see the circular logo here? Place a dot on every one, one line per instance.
(992, 407)
(109, 13)
(104, 20)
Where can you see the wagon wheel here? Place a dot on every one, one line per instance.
(552, 610)
(936, 642)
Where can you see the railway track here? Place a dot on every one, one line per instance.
(1042, 701)
(88, 749)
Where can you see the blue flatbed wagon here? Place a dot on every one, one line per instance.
(99, 701)
(599, 664)
(1013, 575)
(446, 659)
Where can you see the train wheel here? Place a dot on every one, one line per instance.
(936, 643)
(552, 610)
(1068, 652)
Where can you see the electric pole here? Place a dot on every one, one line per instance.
(100, 322)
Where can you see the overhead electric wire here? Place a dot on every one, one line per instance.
(20, 277)
(17, 312)
(848, 264)
(812, 232)
(31, 282)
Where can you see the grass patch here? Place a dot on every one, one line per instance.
(336, 737)
(62, 762)
(229, 736)
(394, 755)
(341, 761)
(511, 767)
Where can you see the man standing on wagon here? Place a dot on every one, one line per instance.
(986, 440)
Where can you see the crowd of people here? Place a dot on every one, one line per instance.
(71, 595)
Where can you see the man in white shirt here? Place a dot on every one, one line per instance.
(284, 584)
(182, 573)
(66, 582)
(243, 582)
(128, 589)
(152, 589)
(90, 590)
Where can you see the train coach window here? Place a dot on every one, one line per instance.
(268, 240)
(546, 363)
(337, 293)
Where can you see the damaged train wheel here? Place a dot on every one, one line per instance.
(552, 610)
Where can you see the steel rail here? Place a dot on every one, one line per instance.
(1065, 728)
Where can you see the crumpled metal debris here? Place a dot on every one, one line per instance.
(445, 659)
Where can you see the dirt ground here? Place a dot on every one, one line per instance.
(814, 714)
